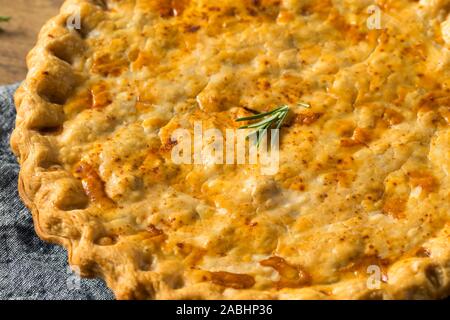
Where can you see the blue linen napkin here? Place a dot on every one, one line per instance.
(29, 267)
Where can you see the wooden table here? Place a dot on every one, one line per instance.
(19, 35)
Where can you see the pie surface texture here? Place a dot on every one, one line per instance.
(363, 182)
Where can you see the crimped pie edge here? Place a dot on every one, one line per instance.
(44, 183)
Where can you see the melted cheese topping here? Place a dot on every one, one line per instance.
(364, 173)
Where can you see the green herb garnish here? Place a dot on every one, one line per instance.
(269, 120)
(304, 105)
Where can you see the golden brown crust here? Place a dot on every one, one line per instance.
(62, 211)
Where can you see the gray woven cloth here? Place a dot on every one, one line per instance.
(29, 267)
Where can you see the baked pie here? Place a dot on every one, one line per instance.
(358, 207)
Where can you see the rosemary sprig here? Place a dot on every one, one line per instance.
(268, 120)
(304, 105)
